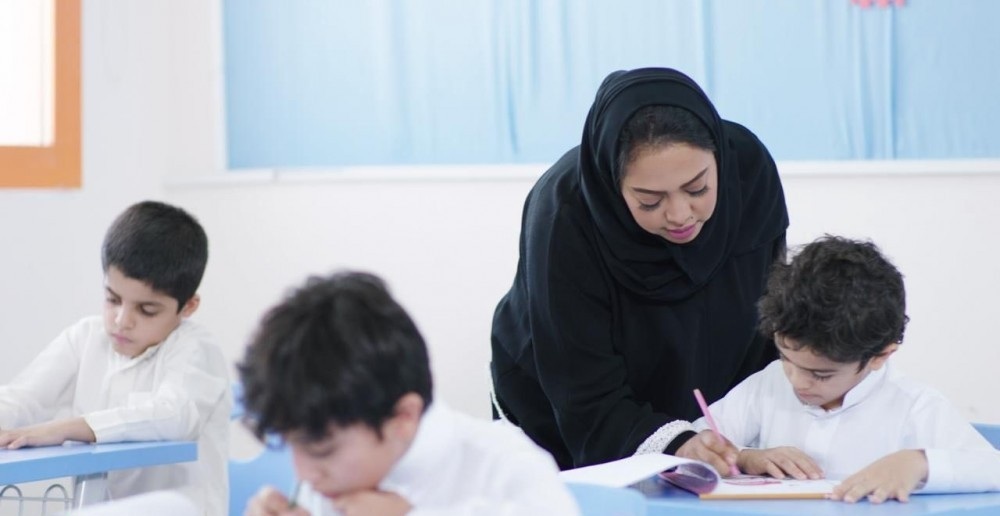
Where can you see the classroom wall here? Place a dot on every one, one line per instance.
(147, 111)
(448, 250)
(446, 246)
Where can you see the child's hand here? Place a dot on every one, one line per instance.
(709, 448)
(47, 434)
(778, 462)
(36, 435)
(894, 476)
(376, 503)
(269, 502)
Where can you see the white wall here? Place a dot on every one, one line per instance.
(51, 238)
(448, 249)
(149, 101)
(152, 114)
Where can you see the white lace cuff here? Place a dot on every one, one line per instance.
(662, 437)
(496, 405)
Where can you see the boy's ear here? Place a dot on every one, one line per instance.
(879, 360)
(191, 306)
(406, 417)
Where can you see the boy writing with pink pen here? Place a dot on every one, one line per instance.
(832, 406)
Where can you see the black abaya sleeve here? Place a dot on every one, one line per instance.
(573, 314)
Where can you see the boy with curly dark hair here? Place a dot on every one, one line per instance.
(341, 372)
(831, 405)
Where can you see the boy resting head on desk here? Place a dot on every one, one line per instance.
(832, 405)
(141, 372)
(340, 371)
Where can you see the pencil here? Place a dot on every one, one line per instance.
(293, 502)
(733, 470)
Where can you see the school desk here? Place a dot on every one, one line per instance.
(89, 464)
(668, 500)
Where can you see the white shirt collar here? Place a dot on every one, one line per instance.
(434, 436)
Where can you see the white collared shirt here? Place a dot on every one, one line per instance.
(886, 412)
(459, 465)
(176, 390)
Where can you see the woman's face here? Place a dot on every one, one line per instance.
(671, 190)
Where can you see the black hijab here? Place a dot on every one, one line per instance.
(649, 265)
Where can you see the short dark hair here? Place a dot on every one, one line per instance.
(659, 126)
(159, 244)
(340, 350)
(840, 298)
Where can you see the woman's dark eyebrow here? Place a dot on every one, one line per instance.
(659, 192)
(696, 178)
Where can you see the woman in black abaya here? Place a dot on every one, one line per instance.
(642, 255)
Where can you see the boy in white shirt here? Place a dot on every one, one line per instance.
(341, 372)
(143, 371)
(832, 405)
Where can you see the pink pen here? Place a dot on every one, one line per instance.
(733, 470)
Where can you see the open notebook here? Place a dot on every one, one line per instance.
(697, 477)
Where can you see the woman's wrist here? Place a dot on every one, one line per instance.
(679, 441)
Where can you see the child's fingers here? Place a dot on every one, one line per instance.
(774, 470)
(718, 452)
(267, 501)
(878, 495)
(707, 448)
(789, 466)
(809, 467)
(720, 446)
(840, 490)
(856, 492)
(716, 461)
(796, 463)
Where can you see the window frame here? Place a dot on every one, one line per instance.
(58, 165)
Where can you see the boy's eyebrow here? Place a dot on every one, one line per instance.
(156, 304)
(304, 438)
(782, 355)
(660, 192)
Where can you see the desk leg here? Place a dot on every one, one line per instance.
(90, 489)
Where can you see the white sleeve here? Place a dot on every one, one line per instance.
(194, 380)
(532, 486)
(738, 413)
(46, 384)
(962, 471)
(959, 458)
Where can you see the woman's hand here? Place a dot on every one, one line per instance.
(894, 476)
(715, 450)
(779, 462)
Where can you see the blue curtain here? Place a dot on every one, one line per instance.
(316, 83)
